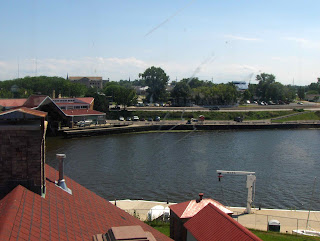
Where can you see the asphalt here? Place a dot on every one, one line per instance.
(258, 219)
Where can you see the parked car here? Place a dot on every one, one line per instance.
(238, 119)
(157, 118)
(189, 122)
(215, 108)
(121, 118)
(142, 119)
(135, 118)
(150, 119)
(128, 119)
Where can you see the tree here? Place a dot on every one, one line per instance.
(157, 81)
(181, 91)
(125, 96)
(301, 93)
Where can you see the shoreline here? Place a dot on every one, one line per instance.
(258, 219)
(178, 126)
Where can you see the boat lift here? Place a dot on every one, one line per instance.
(251, 179)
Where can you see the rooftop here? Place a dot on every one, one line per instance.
(25, 215)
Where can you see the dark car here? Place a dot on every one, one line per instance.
(150, 119)
(238, 119)
(157, 118)
(215, 108)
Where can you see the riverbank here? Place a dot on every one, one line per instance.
(258, 219)
(135, 127)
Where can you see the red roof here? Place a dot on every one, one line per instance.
(87, 100)
(213, 224)
(34, 100)
(25, 215)
(76, 112)
(12, 102)
(190, 208)
(27, 111)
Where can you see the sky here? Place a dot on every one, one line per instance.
(218, 41)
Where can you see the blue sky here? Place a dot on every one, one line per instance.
(220, 41)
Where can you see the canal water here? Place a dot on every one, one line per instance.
(176, 166)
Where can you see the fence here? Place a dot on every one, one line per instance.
(251, 221)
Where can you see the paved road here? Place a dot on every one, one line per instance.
(247, 108)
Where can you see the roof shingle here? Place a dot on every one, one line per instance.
(61, 216)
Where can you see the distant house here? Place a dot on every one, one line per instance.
(240, 85)
(211, 223)
(182, 212)
(96, 82)
(61, 111)
(34, 207)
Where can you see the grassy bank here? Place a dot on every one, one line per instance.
(213, 115)
(308, 116)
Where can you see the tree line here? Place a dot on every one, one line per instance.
(185, 92)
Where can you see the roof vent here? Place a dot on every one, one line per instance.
(61, 182)
(200, 197)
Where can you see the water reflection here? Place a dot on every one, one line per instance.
(157, 166)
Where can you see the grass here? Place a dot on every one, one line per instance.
(308, 116)
(160, 226)
(266, 236)
(274, 236)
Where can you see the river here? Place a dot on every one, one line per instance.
(176, 166)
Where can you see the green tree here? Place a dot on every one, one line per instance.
(125, 96)
(156, 79)
(181, 91)
(301, 93)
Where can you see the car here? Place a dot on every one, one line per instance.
(156, 104)
(215, 108)
(135, 118)
(128, 119)
(300, 103)
(238, 119)
(121, 118)
(142, 119)
(157, 118)
(189, 122)
(150, 119)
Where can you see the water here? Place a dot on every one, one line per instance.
(178, 165)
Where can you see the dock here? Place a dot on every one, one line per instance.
(258, 219)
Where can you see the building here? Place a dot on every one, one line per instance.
(182, 212)
(34, 206)
(240, 85)
(211, 223)
(61, 111)
(8, 104)
(94, 82)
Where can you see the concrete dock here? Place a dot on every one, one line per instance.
(258, 219)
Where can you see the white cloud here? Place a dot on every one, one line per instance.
(305, 43)
(242, 38)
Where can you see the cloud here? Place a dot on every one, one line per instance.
(305, 43)
(242, 38)
(113, 68)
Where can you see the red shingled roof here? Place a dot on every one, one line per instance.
(34, 100)
(190, 208)
(87, 100)
(213, 224)
(12, 102)
(76, 112)
(25, 215)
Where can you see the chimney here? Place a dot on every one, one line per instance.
(61, 182)
(200, 197)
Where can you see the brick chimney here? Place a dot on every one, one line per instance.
(22, 150)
